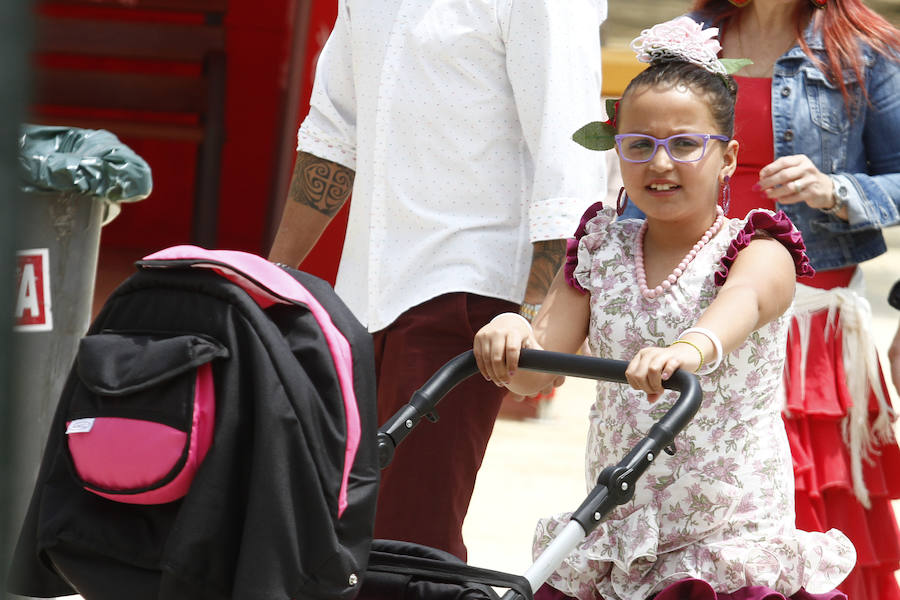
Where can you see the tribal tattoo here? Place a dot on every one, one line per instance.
(321, 184)
(547, 258)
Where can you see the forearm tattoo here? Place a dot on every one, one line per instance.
(321, 184)
(547, 258)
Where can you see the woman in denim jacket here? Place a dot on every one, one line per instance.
(826, 150)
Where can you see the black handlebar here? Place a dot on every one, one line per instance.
(661, 435)
(616, 484)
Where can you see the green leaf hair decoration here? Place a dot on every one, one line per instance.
(600, 135)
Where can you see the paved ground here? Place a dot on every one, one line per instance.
(534, 468)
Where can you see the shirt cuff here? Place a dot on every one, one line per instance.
(313, 141)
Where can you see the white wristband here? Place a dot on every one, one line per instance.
(717, 347)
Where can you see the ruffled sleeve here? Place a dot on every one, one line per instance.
(593, 223)
(775, 225)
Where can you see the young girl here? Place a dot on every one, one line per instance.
(685, 289)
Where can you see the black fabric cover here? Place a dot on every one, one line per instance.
(260, 521)
(119, 364)
(406, 571)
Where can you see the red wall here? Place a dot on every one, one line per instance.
(258, 44)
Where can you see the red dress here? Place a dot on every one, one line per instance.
(818, 397)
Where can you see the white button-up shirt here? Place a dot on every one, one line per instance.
(457, 116)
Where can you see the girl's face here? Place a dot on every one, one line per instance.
(663, 188)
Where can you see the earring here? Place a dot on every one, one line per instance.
(620, 202)
(726, 194)
(818, 3)
(740, 3)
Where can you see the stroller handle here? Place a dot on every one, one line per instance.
(615, 485)
(459, 368)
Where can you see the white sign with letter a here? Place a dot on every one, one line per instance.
(33, 291)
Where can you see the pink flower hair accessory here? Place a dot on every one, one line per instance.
(682, 38)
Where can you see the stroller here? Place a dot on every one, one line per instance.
(278, 500)
(430, 575)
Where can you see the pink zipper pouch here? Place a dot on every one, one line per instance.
(142, 414)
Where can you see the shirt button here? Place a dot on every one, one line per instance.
(788, 135)
(785, 91)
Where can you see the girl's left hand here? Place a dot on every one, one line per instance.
(653, 365)
(793, 179)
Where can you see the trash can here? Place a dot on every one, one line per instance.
(72, 183)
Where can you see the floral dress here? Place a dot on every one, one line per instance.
(721, 509)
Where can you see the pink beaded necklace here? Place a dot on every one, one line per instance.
(669, 281)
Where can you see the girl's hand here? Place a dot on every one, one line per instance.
(793, 179)
(653, 365)
(498, 345)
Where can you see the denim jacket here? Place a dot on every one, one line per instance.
(809, 117)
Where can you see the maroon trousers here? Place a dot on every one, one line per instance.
(425, 492)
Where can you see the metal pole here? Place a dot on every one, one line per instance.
(15, 40)
(286, 133)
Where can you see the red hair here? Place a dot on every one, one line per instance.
(845, 25)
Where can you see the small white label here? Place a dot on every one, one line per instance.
(80, 426)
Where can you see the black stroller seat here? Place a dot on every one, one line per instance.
(403, 570)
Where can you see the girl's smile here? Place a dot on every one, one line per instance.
(663, 187)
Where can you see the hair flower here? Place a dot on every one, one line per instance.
(681, 38)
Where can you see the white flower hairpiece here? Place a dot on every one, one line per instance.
(681, 38)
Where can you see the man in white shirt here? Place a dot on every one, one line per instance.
(451, 120)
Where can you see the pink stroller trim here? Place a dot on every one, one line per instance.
(268, 284)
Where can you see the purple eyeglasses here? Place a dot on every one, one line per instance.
(683, 147)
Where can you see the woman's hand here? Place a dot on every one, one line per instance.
(793, 179)
(653, 365)
(498, 345)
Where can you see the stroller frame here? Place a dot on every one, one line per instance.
(615, 485)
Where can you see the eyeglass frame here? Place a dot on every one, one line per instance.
(665, 144)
